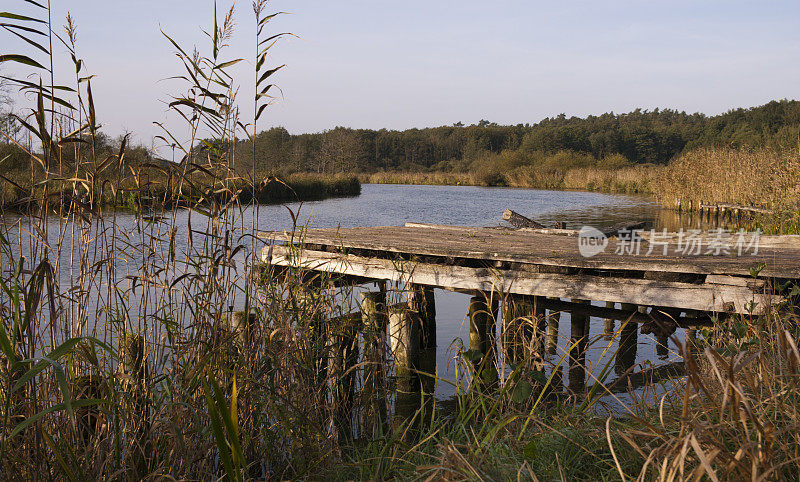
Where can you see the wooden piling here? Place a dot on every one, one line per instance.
(92, 386)
(343, 357)
(134, 366)
(240, 324)
(579, 334)
(662, 345)
(540, 324)
(310, 316)
(518, 326)
(690, 339)
(422, 303)
(553, 319)
(404, 343)
(690, 333)
(628, 340)
(374, 320)
(609, 325)
(482, 314)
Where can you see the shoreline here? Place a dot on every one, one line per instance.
(634, 180)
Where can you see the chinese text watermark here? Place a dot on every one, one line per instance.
(691, 242)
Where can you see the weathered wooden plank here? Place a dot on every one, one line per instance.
(754, 284)
(740, 207)
(547, 250)
(437, 226)
(556, 231)
(471, 230)
(721, 298)
(765, 241)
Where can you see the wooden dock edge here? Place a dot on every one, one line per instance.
(707, 297)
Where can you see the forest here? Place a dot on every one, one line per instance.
(606, 141)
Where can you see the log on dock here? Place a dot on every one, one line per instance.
(519, 221)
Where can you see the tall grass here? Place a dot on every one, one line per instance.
(149, 182)
(421, 178)
(629, 180)
(751, 177)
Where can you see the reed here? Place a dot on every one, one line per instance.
(625, 180)
(759, 178)
(150, 186)
(421, 178)
(752, 177)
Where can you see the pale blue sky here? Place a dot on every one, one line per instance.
(400, 64)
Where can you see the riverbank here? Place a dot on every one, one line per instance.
(629, 180)
(149, 190)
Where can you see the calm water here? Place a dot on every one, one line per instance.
(380, 205)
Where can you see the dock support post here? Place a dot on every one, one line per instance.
(662, 345)
(690, 333)
(310, 315)
(422, 303)
(577, 357)
(404, 342)
(553, 319)
(690, 339)
(404, 337)
(609, 322)
(134, 366)
(482, 315)
(373, 316)
(540, 323)
(518, 326)
(343, 338)
(628, 339)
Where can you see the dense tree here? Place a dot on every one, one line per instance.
(639, 137)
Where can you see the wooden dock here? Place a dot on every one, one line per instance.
(545, 263)
(536, 274)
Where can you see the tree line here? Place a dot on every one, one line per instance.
(607, 141)
(637, 137)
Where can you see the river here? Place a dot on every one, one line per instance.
(387, 204)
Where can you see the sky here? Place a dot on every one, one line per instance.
(402, 64)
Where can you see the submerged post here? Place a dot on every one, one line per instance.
(343, 340)
(134, 368)
(577, 355)
(609, 322)
(310, 316)
(517, 330)
(373, 316)
(422, 303)
(539, 321)
(404, 339)
(628, 339)
(553, 319)
(482, 314)
(662, 345)
(404, 342)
